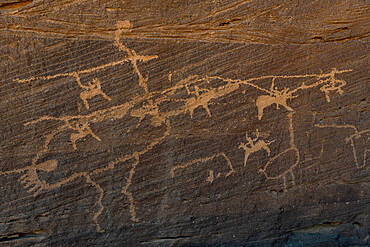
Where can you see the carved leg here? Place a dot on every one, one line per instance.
(84, 99)
(105, 96)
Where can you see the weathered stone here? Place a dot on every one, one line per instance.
(187, 123)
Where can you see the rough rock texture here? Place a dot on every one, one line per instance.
(184, 123)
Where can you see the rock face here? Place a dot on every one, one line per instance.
(184, 123)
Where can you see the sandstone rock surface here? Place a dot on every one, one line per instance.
(184, 123)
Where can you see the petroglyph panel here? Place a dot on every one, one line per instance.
(134, 137)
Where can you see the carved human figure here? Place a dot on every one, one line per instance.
(122, 27)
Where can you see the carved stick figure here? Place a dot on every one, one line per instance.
(83, 130)
(276, 97)
(123, 26)
(254, 145)
(93, 89)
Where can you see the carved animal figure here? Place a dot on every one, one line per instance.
(275, 97)
(199, 100)
(31, 180)
(151, 109)
(94, 89)
(254, 145)
(335, 85)
(276, 168)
